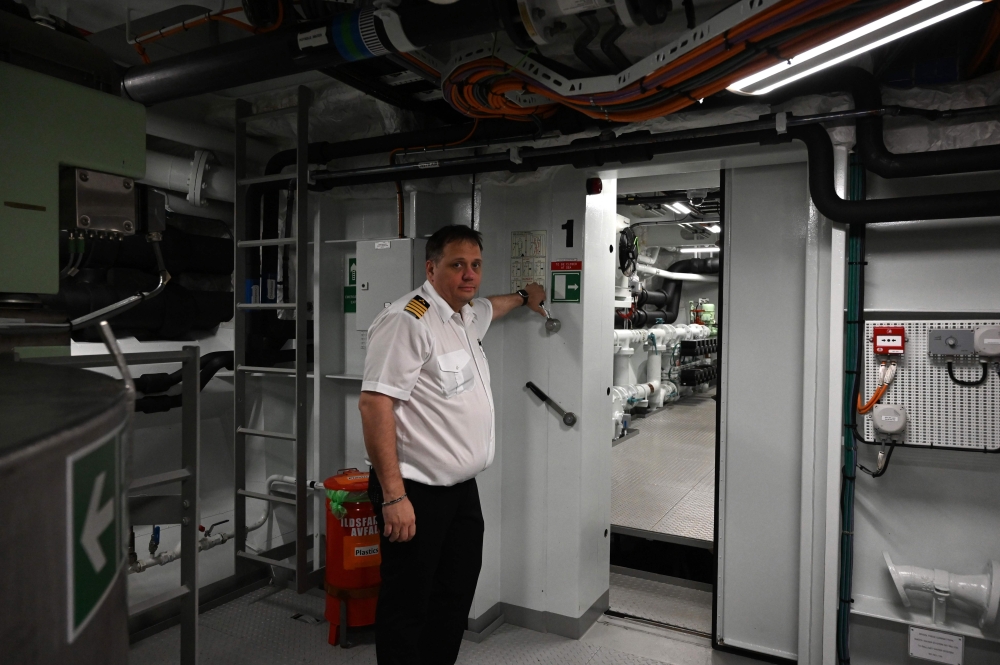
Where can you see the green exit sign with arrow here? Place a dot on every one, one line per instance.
(94, 521)
(566, 281)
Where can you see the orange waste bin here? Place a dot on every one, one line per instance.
(352, 551)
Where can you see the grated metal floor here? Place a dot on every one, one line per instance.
(663, 480)
(258, 629)
(665, 603)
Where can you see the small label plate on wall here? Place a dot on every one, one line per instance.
(936, 646)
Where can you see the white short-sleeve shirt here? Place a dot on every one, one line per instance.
(430, 359)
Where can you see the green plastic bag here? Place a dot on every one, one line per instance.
(339, 497)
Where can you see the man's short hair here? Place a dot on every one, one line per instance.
(448, 234)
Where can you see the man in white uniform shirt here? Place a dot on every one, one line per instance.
(427, 414)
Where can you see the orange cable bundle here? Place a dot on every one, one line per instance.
(478, 88)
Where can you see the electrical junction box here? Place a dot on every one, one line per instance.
(951, 342)
(888, 340)
(386, 271)
(987, 341)
(888, 418)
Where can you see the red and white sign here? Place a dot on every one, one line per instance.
(567, 265)
(888, 340)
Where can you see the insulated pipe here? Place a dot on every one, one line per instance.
(201, 136)
(347, 37)
(867, 94)
(176, 173)
(681, 276)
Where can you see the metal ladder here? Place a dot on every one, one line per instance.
(305, 578)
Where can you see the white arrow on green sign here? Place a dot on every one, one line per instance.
(93, 528)
(565, 286)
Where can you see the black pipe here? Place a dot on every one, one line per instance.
(696, 266)
(212, 363)
(873, 211)
(268, 56)
(149, 384)
(867, 94)
(820, 149)
(591, 28)
(610, 47)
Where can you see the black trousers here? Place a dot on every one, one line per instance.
(429, 582)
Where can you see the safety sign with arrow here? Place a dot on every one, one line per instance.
(566, 281)
(93, 528)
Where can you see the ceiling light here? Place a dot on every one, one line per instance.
(681, 208)
(714, 228)
(882, 31)
(696, 250)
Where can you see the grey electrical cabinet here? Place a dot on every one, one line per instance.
(387, 270)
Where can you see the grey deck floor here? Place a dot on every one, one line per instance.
(258, 629)
(686, 605)
(663, 479)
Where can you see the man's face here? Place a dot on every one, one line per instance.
(457, 275)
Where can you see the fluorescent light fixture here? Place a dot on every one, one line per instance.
(698, 250)
(714, 228)
(882, 31)
(681, 208)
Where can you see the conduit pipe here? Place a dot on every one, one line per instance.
(180, 174)
(278, 479)
(212, 540)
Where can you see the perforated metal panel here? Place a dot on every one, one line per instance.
(939, 411)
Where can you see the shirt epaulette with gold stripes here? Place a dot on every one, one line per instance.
(417, 307)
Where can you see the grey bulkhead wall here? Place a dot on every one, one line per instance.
(546, 499)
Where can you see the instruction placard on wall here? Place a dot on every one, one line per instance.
(567, 281)
(527, 258)
(935, 646)
(351, 289)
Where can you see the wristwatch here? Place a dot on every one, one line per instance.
(524, 295)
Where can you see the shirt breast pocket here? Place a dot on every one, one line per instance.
(456, 372)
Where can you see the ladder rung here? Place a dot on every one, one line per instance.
(159, 479)
(265, 305)
(266, 497)
(265, 370)
(270, 242)
(261, 559)
(265, 433)
(278, 177)
(274, 113)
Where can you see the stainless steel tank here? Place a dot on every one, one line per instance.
(62, 546)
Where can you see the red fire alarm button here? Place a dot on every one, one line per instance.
(889, 340)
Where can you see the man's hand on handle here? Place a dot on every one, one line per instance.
(400, 521)
(536, 296)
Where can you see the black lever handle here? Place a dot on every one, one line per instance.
(568, 417)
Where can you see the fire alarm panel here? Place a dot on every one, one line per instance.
(888, 340)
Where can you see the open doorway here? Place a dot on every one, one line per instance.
(667, 301)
